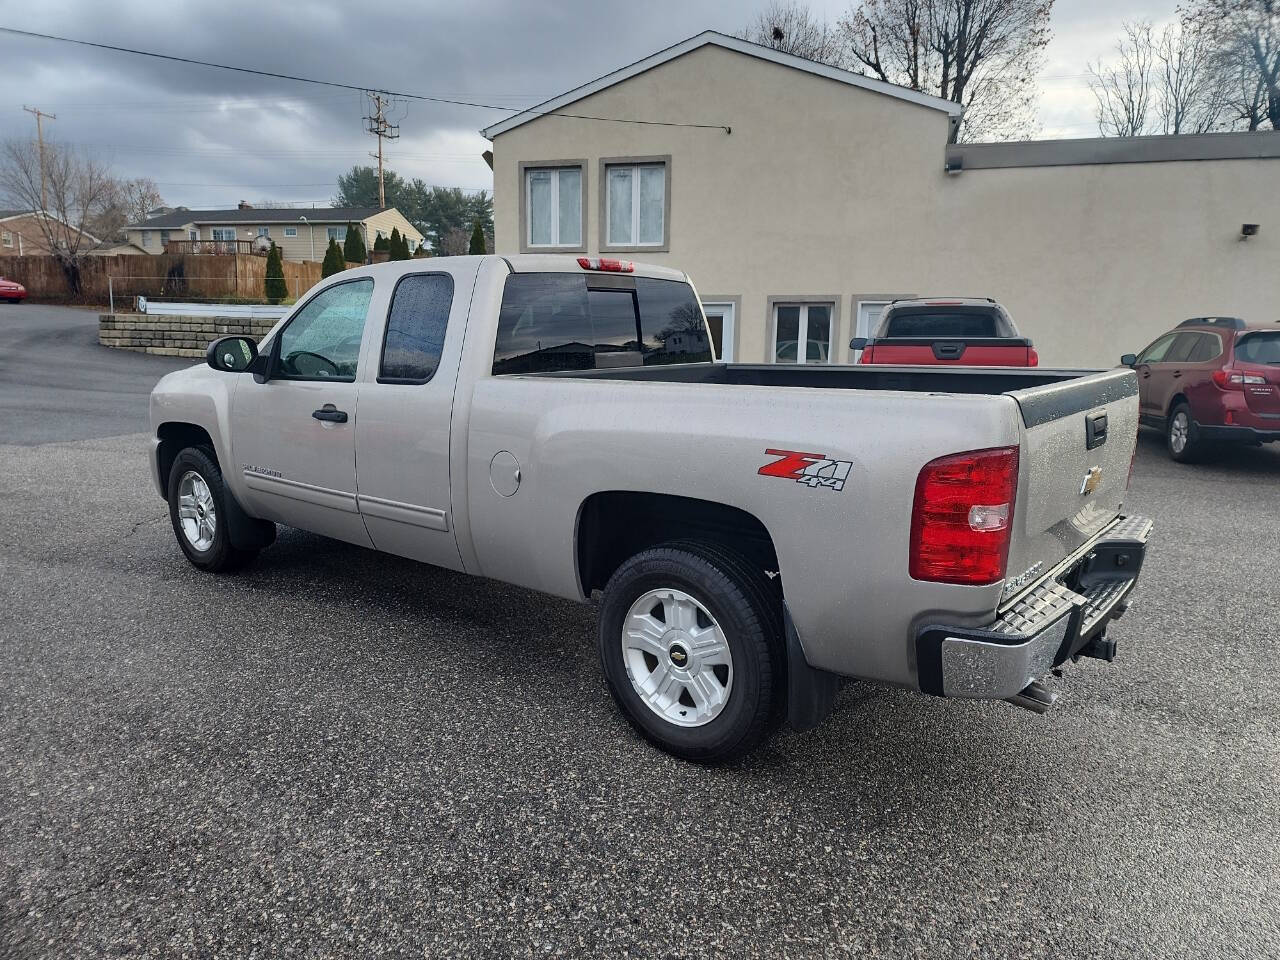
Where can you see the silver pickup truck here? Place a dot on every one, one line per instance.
(755, 532)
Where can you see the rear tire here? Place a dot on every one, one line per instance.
(691, 646)
(1181, 435)
(199, 513)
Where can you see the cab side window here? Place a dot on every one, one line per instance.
(1208, 347)
(1183, 344)
(416, 325)
(1156, 352)
(322, 341)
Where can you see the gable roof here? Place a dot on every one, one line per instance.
(181, 217)
(712, 38)
(15, 214)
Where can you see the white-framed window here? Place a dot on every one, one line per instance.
(164, 238)
(720, 322)
(193, 234)
(635, 202)
(802, 332)
(337, 233)
(6, 239)
(264, 231)
(290, 231)
(553, 196)
(224, 234)
(146, 238)
(869, 312)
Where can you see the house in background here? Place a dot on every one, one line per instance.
(800, 198)
(21, 236)
(301, 233)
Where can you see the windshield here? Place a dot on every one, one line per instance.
(1259, 348)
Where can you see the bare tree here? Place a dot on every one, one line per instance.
(982, 54)
(130, 202)
(792, 28)
(77, 189)
(1160, 84)
(1245, 37)
(1123, 89)
(1192, 93)
(455, 242)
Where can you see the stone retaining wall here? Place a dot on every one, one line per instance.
(173, 336)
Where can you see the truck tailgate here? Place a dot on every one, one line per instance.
(968, 351)
(1077, 446)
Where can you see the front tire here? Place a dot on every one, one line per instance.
(690, 644)
(1181, 435)
(199, 513)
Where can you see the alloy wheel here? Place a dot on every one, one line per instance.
(677, 657)
(197, 513)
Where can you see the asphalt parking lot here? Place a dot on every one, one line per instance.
(338, 753)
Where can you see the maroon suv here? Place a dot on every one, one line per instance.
(1211, 380)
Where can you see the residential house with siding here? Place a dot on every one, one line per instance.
(21, 234)
(301, 233)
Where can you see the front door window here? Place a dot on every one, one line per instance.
(322, 341)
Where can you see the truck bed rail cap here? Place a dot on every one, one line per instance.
(1053, 401)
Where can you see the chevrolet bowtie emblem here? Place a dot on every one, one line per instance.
(1091, 481)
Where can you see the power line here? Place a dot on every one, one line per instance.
(349, 86)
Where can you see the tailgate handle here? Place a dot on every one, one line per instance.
(1095, 430)
(948, 349)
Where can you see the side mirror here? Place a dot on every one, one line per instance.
(1129, 360)
(231, 354)
(858, 343)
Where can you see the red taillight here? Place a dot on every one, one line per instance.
(1033, 358)
(1231, 380)
(960, 523)
(867, 355)
(606, 264)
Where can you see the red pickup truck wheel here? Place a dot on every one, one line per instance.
(691, 651)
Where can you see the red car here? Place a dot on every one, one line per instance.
(963, 331)
(12, 291)
(1210, 380)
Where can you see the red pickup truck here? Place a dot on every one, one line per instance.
(965, 331)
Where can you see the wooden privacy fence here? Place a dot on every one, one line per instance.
(175, 277)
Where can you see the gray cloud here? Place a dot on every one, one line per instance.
(212, 137)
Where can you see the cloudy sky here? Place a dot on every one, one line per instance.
(211, 137)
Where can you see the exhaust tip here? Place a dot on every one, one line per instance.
(1035, 697)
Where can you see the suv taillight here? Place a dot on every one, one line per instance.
(1033, 358)
(868, 355)
(1231, 380)
(960, 523)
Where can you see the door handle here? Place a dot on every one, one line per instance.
(1177, 373)
(330, 413)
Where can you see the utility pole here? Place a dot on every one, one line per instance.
(39, 115)
(380, 127)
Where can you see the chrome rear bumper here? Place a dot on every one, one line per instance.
(1051, 624)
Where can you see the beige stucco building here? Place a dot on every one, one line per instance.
(776, 181)
(301, 233)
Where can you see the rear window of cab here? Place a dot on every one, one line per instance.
(565, 321)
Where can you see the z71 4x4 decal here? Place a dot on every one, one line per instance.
(811, 469)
